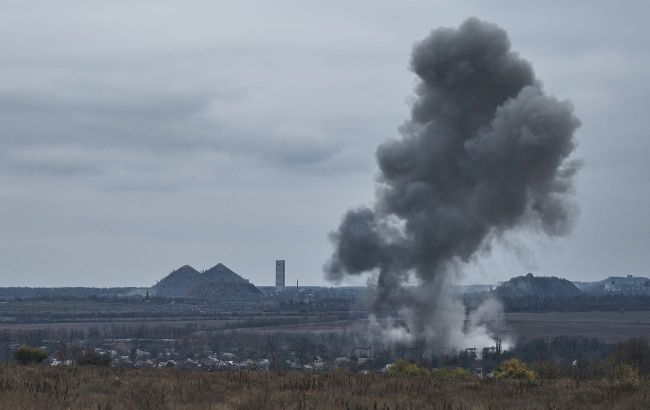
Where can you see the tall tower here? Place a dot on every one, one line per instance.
(279, 274)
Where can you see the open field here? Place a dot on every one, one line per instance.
(336, 326)
(610, 327)
(88, 387)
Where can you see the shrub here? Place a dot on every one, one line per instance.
(622, 373)
(547, 369)
(626, 374)
(29, 354)
(404, 368)
(91, 357)
(514, 369)
(458, 374)
(636, 353)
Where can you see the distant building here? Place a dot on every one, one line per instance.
(279, 275)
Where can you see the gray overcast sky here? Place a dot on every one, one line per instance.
(136, 137)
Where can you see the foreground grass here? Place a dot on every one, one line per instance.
(35, 387)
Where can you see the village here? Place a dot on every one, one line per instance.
(172, 353)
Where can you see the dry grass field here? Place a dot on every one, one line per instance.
(609, 327)
(105, 388)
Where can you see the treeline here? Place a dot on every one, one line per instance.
(62, 293)
(580, 303)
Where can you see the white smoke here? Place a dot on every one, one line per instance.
(448, 327)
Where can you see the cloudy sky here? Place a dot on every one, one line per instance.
(136, 137)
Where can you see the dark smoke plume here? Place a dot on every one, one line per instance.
(485, 151)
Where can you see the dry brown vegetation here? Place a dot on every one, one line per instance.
(38, 387)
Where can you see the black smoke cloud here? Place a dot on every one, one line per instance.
(485, 151)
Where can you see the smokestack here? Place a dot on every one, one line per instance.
(279, 275)
(484, 152)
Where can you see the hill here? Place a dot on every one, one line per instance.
(541, 286)
(177, 283)
(219, 282)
